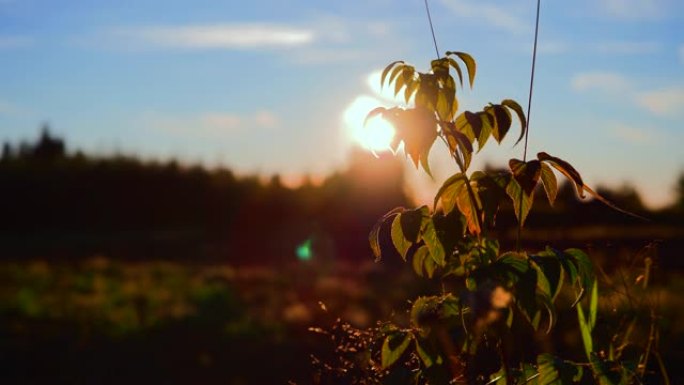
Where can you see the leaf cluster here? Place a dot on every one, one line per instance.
(477, 332)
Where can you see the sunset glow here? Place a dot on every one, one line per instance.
(376, 134)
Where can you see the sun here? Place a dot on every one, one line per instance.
(377, 134)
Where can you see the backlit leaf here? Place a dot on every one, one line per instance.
(475, 123)
(488, 123)
(513, 105)
(386, 71)
(593, 305)
(550, 183)
(470, 65)
(585, 331)
(468, 205)
(419, 258)
(457, 68)
(395, 72)
(432, 242)
(374, 235)
(503, 121)
(522, 202)
(398, 239)
(398, 84)
(376, 111)
(527, 174)
(448, 191)
(566, 169)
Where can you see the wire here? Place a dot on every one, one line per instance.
(534, 61)
(432, 29)
(529, 109)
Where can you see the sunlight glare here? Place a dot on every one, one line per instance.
(377, 134)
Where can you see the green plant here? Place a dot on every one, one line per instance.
(489, 321)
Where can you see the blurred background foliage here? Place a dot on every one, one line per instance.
(114, 269)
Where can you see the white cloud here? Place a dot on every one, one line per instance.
(627, 47)
(635, 135)
(490, 13)
(221, 121)
(210, 124)
(7, 42)
(217, 36)
(664, 102)
(635, 9)
(601, 81)
(613, 47)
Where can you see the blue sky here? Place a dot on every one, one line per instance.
(263, 86)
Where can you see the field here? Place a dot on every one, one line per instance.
(108, 322)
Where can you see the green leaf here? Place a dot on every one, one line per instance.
(543, 284)
(490, 189)
(393, 347)
(470, 65)
(503, 121)
(488, 123)
(585, 268)
(518, 262)
(419, 258)
(458, 70)
(398, 239)
(593, 305)
(412, 221)
(428, 353)
(430, 266)
(522, 202)
(566, 169)
(411, 87)
(554, 371)
(432, 242)
(448, 191)
(475, 123)
(550, 183)
(513, 105)
(585, 330)
(373, 237)
(553, 271)
(527, 174)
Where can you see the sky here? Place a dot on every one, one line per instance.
(276, 86)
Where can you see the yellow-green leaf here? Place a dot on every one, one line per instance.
(386, 71)
(522, 202)
(526, 174)
(513, 105)
(393, 347)
(470, 65)
(550, 183)
(432, 242)
(398, 239)
(419, 258)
